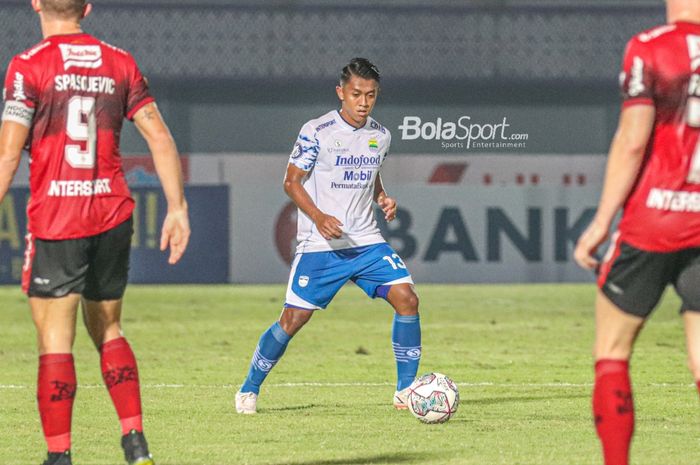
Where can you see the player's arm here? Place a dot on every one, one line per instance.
(328, 226)
(624, 162)
(176, 227)
(386, 203)
(12, 139)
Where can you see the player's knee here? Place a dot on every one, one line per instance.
(57, 342)
(407, 303)
(101, 329)
(412, 301)
(612, 352)
(292, 320)
(612, 348)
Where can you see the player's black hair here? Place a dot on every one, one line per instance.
(64, 9)
(360, 67)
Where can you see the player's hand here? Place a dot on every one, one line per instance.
(175, 234)
(588, 244)
(328, 226)
(388, 206)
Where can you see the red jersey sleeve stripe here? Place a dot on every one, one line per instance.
(637, 101)
(138, 106)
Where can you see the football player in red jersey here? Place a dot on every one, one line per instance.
(653, 176)
(66, 99)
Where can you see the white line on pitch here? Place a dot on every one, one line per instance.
(333, 385)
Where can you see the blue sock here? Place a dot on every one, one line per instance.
(405, 338)
(270, 348)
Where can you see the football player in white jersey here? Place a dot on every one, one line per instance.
(333, 178)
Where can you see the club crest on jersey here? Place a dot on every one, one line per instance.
(303, 281)
(296, 151)
(81, 56)
(373, 145)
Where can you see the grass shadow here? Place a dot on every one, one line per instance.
(395, 458)
(399, 457)
(508, 399)
(291, 408)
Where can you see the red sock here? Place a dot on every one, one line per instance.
(121, 377)
(698, 384)
(55, 391)
(613, 410)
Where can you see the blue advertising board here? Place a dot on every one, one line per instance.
(205, 261)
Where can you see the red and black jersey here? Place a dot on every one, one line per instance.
(74, 92)
(662, 68)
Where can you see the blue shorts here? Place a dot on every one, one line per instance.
(316, 277)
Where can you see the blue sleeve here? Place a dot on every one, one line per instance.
(306, 149)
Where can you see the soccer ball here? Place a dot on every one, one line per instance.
(433, 398)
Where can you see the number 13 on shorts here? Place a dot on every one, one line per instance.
(395, 261)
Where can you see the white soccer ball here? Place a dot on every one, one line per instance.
(433, 398)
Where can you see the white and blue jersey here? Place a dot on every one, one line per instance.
(343, 163)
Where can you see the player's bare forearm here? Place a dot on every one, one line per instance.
(624, 160)
(160, 142)
(176, 226)
(301, 199)
(295, 190)
(169, 170)
(327, 225)
(379, 191)
(386, 203)
(12, 138)
(8, 167)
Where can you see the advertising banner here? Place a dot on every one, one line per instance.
(206, 260)
(508, 230)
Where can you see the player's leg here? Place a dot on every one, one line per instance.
(314, 280)
(54, 319)
(117, 361)
(53, 277)
(687, 287)
(613, 407)
(102, 308)
(630, 285)
(271, 346)
(102, 320)
(405, 334)
(692, 332)
(119, 372)
(383, 274)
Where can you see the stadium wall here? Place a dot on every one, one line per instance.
(243, 76)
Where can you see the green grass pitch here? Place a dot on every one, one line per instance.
(520, 355)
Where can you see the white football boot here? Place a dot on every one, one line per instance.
(401, 399)
(246, 402)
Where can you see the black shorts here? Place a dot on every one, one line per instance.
(634, 279)
(96, 267)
